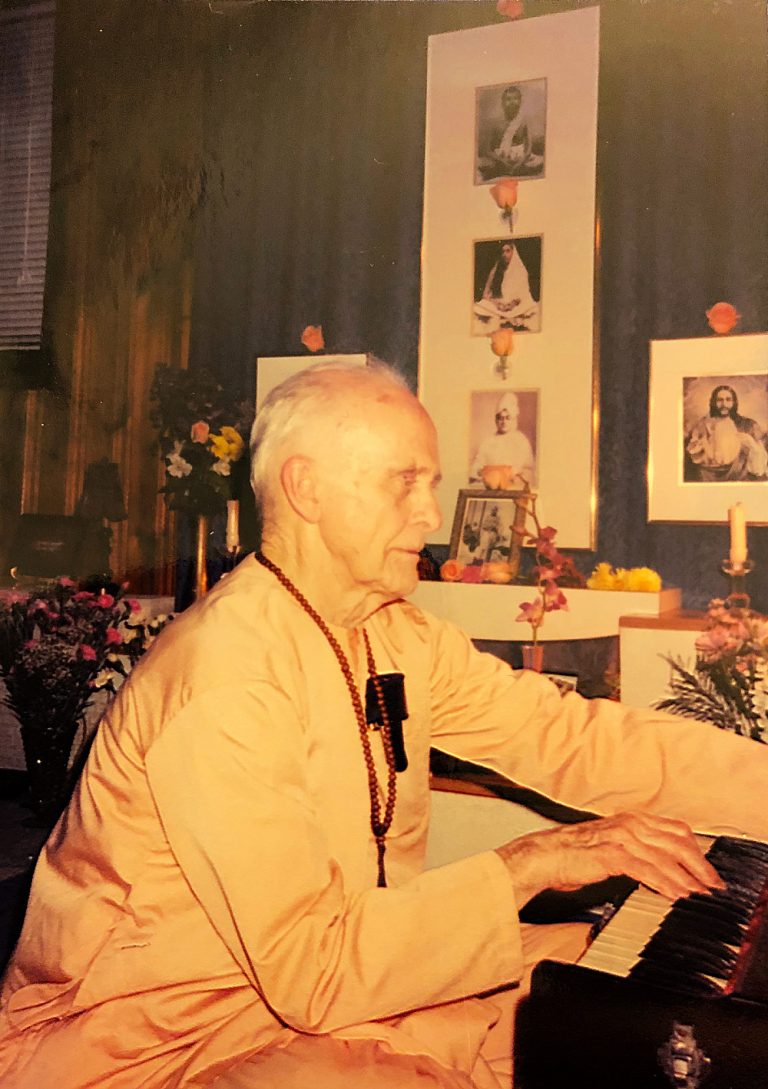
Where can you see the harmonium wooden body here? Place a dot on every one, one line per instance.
(668, 994)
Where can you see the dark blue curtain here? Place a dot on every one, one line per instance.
(315, 138)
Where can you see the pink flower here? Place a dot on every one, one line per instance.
(105, 600)
(113, 637)
(66, 582)
(199, 431)
(88, 654)
(312, 338)
(531, 612)
(513, 9)
(554, 598)
(83, 595)
(133, 604)
(473, 572)
(722, 317)
(31, 643)
(13, 597)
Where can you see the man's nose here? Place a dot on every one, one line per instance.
(428, 511)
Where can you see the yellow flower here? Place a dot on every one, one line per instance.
(227, 445)
(644, 579)
(620, 576)
(601, 578)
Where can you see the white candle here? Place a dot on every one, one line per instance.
(738, 521)
(233, 525)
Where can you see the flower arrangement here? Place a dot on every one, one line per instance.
(504, 193)
(59, 646)
(643, 579)
(201, 432)
(727, 684)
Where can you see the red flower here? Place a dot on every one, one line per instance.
(105, 600)
(513, 9)
(722, 317)
(200, 431)
(312, 338)
(473, 572)
(133, 604)
(113, 637)
(88, 654)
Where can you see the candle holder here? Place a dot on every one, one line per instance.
(737, 574)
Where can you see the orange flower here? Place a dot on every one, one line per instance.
(722, 317)
(504, 192)
(451, 571)
(312, 338)
(513, 9)
(502, 343)
(497, 571)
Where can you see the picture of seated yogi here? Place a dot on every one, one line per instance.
(510, 149)
(506, 446)
(236, 895)
(507, 301)
(725, 445)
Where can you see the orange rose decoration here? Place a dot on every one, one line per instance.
(497, 571)
(451, 571)
(504, 192)
(722, 317)
(513, 9)
(502, 343)
(312, 338)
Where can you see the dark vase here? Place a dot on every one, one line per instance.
(47, 751)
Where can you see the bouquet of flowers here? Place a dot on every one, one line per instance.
(727, 684)
(59, 646)
(201, 431)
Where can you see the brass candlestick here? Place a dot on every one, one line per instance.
(737, 574)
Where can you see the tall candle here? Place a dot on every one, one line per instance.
(233, 525)
(738, 521)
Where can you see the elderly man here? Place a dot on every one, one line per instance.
(235, 895)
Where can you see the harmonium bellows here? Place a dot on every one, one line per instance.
(668, 994)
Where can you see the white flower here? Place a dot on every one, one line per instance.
(177, 465)
(221, 467)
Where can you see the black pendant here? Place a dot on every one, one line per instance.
(393, 691)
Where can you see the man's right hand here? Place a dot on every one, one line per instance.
(656, 851)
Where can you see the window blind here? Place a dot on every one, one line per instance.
(26, 91)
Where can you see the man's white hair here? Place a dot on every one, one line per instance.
(304, 399)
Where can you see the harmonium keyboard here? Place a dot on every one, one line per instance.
(667, 994)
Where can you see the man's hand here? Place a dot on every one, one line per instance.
(660, 853)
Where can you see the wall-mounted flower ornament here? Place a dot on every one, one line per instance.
(513, 9)
(722, 317)
(312, 338)
(502, 346)
(504, 192)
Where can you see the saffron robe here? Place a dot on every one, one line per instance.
(210, 892)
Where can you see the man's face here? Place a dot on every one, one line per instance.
(724, 402)
(511, 100)
(505, 420)
(378, 495)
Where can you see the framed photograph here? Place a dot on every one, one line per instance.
(507, 285)
(271, 370)
(476, 264)
(510, 130)
(503, 431)
(708, 428)
(487, 527)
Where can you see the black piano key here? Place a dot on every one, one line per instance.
(703, 957)
(683, 982)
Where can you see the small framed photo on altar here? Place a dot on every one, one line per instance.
(708, 428)
(488, 527)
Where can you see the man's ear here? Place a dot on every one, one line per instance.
(298, 477)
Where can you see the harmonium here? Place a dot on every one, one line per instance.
(667, 994)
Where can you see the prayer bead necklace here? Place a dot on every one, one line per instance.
(379, 826)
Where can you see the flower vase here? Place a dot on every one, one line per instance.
(201, 557)
(533, 656)
(47, 751)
